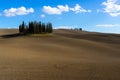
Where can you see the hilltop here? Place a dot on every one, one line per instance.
(66, 55)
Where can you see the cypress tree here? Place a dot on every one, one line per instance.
(20, 28)
(50, 28)
(35, 27)
(43, 27)
(40, 27)
(30, 28)
(47, 27)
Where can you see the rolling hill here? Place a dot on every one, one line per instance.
(66, 55)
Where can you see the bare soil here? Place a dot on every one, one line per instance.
(66, 55)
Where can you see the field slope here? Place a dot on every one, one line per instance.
(66, 55)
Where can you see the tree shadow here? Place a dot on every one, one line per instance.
(13, 35)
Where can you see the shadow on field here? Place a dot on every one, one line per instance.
(98, 37)
(13, 35)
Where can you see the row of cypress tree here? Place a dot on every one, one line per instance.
(35, 27)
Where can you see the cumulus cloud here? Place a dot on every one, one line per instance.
(108, 25)
(55, 10)
(61, 8)
(17, 11)
(79, 9)
(112, 7)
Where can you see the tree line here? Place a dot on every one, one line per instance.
(77, 29)
(35, 27)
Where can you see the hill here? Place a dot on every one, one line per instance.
(66, 55)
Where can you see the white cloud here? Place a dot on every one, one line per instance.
(55, 10)
(42, 15)
(79, 9)
(18, 11)
(112, 7)
(60, 9)
(108, 25)
(63, 8)
(63, 27)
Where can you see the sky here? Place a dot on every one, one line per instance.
(90, 15)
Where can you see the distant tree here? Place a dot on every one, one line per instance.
(49, 27)
(80, 29)
(76, 29)
(31, 27)
(35, 27)
(40, 27)
(20, 28)
(23, 26)
(26, 29)
(43, 28)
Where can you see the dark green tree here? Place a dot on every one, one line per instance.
(31, 27)
(40, 27)
(80, 29)
(35, 27)
(43, 27)
(49, 27)
(20, 28)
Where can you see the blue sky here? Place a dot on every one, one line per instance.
(91, 15)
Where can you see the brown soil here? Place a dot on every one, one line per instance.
(66, 55)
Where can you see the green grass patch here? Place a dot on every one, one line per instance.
(41, 35)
